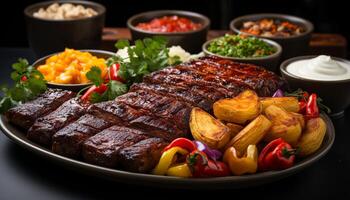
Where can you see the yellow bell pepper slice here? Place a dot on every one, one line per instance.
(242, 165)
(180, 170)
(167, 159)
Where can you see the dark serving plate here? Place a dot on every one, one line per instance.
(19, 137)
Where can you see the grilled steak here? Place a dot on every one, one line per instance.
(142, 156)
(44, 127)
(181, 93)
(103, 148)
(220, 73)
(158, 127)
(142, 119)
(25, 114)
(160, 105)
(68, 140)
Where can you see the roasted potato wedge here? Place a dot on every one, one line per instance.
(251, 134)
(312, 138)
(290, 104)
(284, 125)
(234, 129)
(207, 129)
(240, 109)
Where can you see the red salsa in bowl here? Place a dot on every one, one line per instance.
(169, 24)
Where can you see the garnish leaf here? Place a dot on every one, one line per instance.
(121, 44)
(23, 89)
(94, 75)
(148, 55)
(115, 89)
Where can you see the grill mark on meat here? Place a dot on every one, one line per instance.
(103, 148)
(160, 105)
(45, 127)
(68, 140)
(143, 156)
(229, 73)
(24, 115)
(158, 127)
(142, 119)
(179, 92)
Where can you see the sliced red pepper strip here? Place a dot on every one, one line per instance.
(183, 143)
(113, 73)
(302, 106)
(311, 110)
(98, 89)
(276, 155)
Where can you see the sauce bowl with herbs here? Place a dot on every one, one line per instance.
(181, 28)
(245, 49)
(291, 32)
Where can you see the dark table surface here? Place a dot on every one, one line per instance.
(24, 175)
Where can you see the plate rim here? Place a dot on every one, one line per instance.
(172, 182)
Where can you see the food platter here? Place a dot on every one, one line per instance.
(19, 137)
(154, 113)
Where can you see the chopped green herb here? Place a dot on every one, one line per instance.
(146, 56)
(240, 47)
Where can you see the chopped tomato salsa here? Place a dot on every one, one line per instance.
(169, 24)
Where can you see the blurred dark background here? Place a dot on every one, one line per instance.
(328, 16)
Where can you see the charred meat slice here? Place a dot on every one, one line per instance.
(103, 148)
(68, 140)
(160, 105)
(189, 81)
(24, 115)
(143, 156)
(158, 127)
(142, 119)
(181, 93)
(45, 127)
(221, 72)
(122, 112)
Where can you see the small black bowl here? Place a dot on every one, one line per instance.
(270, 62)
(335, 94)
(47, 36)
(293, 46)
(73, 87)
(191, 41)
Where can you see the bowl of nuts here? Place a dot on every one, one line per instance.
(52, 26)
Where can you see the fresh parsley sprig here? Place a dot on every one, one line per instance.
(146, 56)
(28, 83)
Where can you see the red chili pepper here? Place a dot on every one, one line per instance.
(303, 101)
(216, 169)
(302, 106)
(98, 89)
(183, 143)
(202, 167)
(276, 155)
(311, 110)
(24, 78)
(113, 73)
